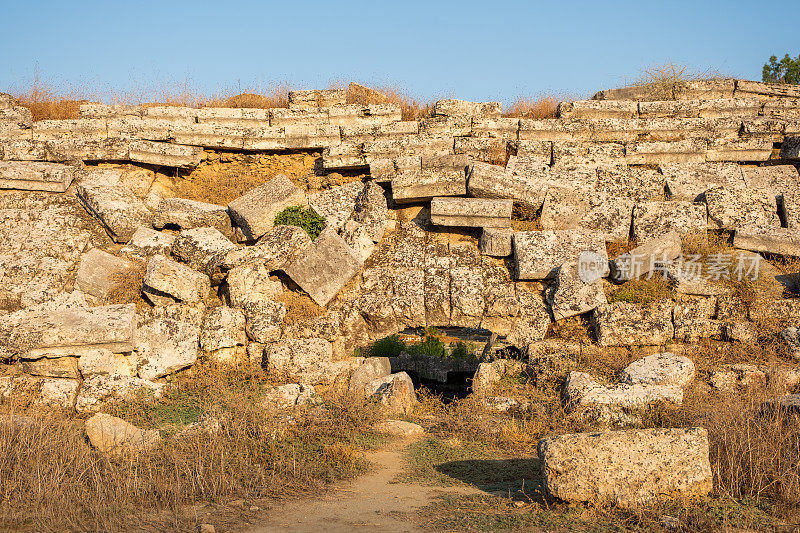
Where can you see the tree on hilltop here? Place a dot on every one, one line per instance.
(787, 70)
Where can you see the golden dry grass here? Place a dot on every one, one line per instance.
(536, 108)
(52, 479)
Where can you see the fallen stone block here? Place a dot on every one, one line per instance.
(336, 204)
(35, 176)
(100, 273)
(200, 248)
(324, 267)
(264, 320)
(167, 281)
(165, 154)
(663, 368)
(458, 108)
(120, 211)
(423, 185)
(61, 367)
(105, 362)
(538, 254)
(633, 324)
(146, 242)
(254, 213)
(652, 255)
(496, 242)
(164, 346)
(736, 208)
(774, 240)
(190, 214)
(112, 435)
(223, 327)
(486, 149)
(579, 286)
(569, 209)
(289, 396)
(689, 181)
(471, 212)
(277, 248)
(640, 184)
(373, 368)
(395, 393)
(73, 331)
(98, 389)
(582, 391)
(652, 219)
(492, 181)
(304, 360)
(398, 428)
(251, 283)
(627, 468)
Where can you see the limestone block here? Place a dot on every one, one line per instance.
(759, 89)
(565, 208)
(71, 150)
(579, 286)
(349, 154)
(633, 324)
(249, 283)
(467, 301)
(254, 213)
(489, 150)
(105, 362)
(213, 136)
(200, 247)
(60, 393)
(655, 152)
(738, 149)
(190, 214)
(575, 153)
(372, 368)
(73, 331)
(112, 435)
(457, 108)
(689, 181)
(459, 126)
(496, 128)
(61, 367)
(581, 391)
(234, 116)
(627, 468)
(263, 320)
(120, 211)
(774, 240)
(670, 109)
(304, 360)
(491, 181)
(100, 388)
(735, 208)
(99, 273)
(289, 396)
(395, 393)
(597, 109)
(35, 176)
(310, 99)
(496, 242)
(652, 255)
(337, 203)
(223, 327)
(471, 212)
(165, 154)
(651, 219)
(664, 368)
(324, 267)
(164, 346)
(423, 185)
(776, 179)
(533, 319)
(409, 145)
(94, 129)
(539, 253)
(146, 242)
(692, 321)
(553, 129)
(166, 281)
(299, 137)
(278, 247)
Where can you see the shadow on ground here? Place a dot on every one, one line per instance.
(506, 477)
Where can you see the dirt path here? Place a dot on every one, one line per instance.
(373, 502)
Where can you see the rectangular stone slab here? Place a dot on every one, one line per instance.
(538, 254)
(120, 211)
(471, 212)
(423, 185)
(781, 241)
(74, 331)
(627, 468)
(492, 181)
(35, 176)
(165, 154)
(255, 211)
(324, 267)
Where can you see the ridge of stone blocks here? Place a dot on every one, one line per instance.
(471, 212)
(324, 267)
(36, 176)
(460, 108)
(315, 99)
(539, 254)
(254, 212)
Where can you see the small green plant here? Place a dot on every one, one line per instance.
(462, 351)
(390, 346)
(429, 347)
(307, 218)
(786, 70)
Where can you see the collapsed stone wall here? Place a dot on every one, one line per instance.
(425, 240)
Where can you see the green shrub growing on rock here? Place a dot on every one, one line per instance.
(307, 218)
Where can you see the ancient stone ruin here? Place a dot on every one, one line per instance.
(465, 219)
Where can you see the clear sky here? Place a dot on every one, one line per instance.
(468, 49)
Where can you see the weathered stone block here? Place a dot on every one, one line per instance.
(579, 286)
(324, 267)
(655, 152)
(738, 149)
(190, 214)
(628, 468)
(99, 273)
(165, 154)
(568, 209)
(774, 240)
(689, 181)
(337, 203)
(736, 208)
(120, 211)
(471, 212)
(651, 219)
(633, 324)
(654, 254)
(223, 327)
(166, 281)
(458, 108)
(164, 346)
(496, 242)
(597, 109)
(776, 179)
(255, 212)
(200, 247)
(538, 254)
(35, 176)
(492, 181)
(423, 185)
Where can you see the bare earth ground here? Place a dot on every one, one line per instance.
(373, 502)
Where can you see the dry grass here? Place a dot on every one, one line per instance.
(299, 306)
(662, 81)
(655, 289)
(51, 478)
(128, 285)
(536, 108)
(411, 108)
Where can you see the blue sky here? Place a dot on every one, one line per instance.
(471, 50)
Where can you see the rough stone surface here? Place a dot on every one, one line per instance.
(649, 257)
(395, 393)
(166, 281)
(254, 213)
(496, 242)
(734, 208)
(112, 435)
(35, 176)
(471, 212)
(164, 346)
(223, 327)
(579, 286)
(373, 368)
(263, 320)
(659, 369)
(304, 360)
(539, 253)
(633, 324)
(653, 219)
(200, 247)
(98, 389)
(492, 181)
(251, 283)
(120, 211)
(628, 468)
(336, 204)
(99, 273)
(399, 428)
(189, 214)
